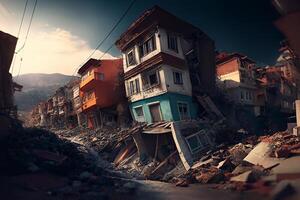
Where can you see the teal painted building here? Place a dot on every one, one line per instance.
(164, 107)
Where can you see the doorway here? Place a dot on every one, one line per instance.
(155, 112)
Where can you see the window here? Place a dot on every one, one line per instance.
(197, 141)
(177, 77)
(153, 79)
(131, 58)
(183, 111)
(150, 79)
(134, 87)
(194, 143)
(147, 46)
(139, 114)
(172, 42)
(100, 76)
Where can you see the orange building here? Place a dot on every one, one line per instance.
(100, 90)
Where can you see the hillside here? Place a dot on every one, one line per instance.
(38, 87)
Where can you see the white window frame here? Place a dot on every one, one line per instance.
(136, 89)
(127, 58)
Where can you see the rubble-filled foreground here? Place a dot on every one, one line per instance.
(96, 164)
(36, 164)
(268, 165)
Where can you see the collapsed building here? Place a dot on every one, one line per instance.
(259, 95)
(7, 85)
(236, 79)
(169, 72)
(163, 63)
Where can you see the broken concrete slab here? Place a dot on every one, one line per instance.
(260, 155)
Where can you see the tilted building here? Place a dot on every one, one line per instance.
(166, 62)
(101, 90)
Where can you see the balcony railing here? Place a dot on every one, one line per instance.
(93, 76)
(89, 103)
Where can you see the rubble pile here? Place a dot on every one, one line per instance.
(37, 164)
(98, 139)
(257, 164)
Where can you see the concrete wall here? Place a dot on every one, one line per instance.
(233, 76)
(168, 106)
(166, 84)
(161, 42)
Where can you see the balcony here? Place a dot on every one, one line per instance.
(89, 103)
(86, 83)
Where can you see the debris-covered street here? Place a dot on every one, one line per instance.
(149, 100)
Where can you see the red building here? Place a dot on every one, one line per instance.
(101, 89)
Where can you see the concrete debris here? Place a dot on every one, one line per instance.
(260, 155)
(241, 166)
(37, 162)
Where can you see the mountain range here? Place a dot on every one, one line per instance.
(37, 88)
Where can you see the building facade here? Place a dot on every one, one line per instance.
(236, 76)
(101, 89)
(7, 86)
(158, 58)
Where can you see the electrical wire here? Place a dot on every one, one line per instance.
(18, 34)
(107, 36)
(28, 30)
(27, 34)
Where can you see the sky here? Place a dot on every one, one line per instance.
(65, 32)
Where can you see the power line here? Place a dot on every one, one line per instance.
(28, 30)
(107, 36)
(19, 31)
(27, 34)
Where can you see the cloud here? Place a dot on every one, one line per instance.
(54, 51)
(48, 49)
(6, 20)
